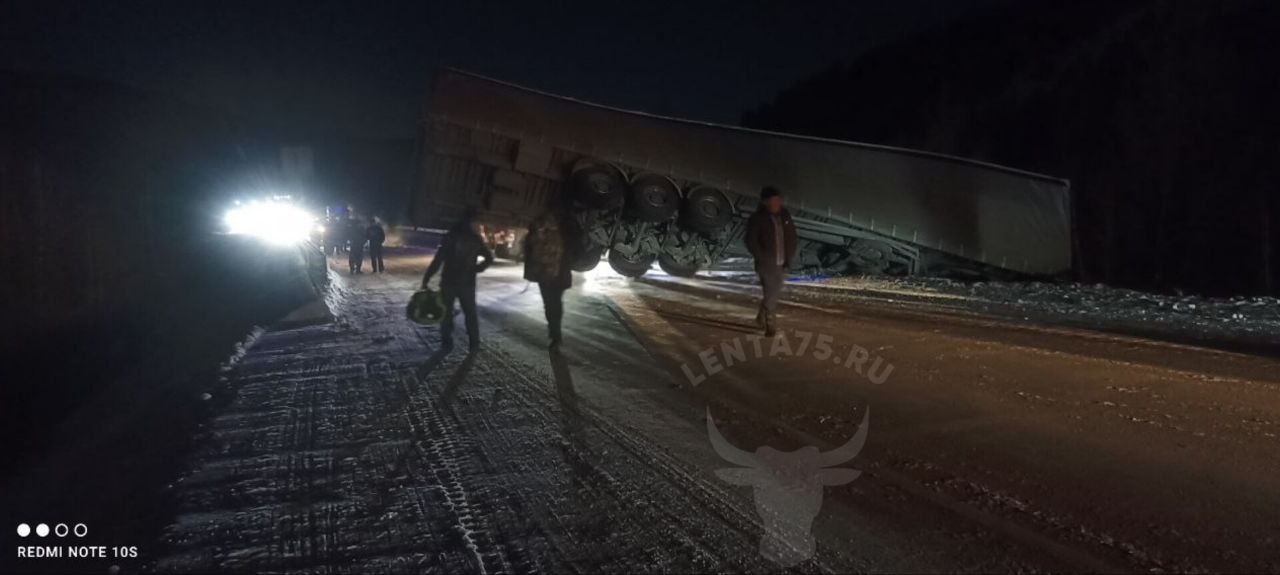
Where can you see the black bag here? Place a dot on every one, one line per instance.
(425, 307)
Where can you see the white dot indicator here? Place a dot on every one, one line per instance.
(42, 530)
(24, 530)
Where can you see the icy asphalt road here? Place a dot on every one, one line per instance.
(992, 445)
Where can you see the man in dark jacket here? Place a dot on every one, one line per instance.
(376, 236)
(771, 240)
(457, 256)
(355, 234)
(547, 262)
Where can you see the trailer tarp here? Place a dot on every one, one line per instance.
(1001, 216)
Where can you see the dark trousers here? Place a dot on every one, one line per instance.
(466, 297)
(375, 258)
(553, 305)
(356, 259)
(771, 280)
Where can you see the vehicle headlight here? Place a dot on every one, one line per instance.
(276, 222)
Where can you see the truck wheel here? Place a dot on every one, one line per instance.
(653, 198)
(632, 267)
(675, 268)
(586, 259)
(598, 186)
(707, 210)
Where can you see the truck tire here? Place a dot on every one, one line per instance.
(632, 267)
(586, 259)
(706, 210)
(675, 268)
(653, 198)
(597, 186)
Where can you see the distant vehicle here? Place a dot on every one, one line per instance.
(647, 188)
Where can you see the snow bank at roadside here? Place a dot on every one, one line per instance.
(1256, 318)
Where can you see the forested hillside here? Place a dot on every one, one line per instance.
(1161, 113)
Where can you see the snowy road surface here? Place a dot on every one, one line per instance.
(992, 445)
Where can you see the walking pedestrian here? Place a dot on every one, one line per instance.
(771, 240)
(376, 236)
(456, 260)
(546, 262)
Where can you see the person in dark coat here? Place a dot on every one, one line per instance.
(376, 236)
(326, 236)
(355, 235)
(547, 263)
(456, 259)
(771, 240)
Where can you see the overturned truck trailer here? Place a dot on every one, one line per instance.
(646, 188)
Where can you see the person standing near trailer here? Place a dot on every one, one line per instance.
(771, 240)
(546, 262)
(355, 235)
(376, 236)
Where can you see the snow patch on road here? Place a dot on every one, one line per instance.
(242, 348)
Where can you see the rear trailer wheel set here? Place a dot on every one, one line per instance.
(637, 218)
(644, 217)
(640, 218)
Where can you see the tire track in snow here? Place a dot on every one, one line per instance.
(635, 483)
(445, 453)
(327, 456)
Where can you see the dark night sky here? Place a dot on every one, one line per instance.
(361, 68)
